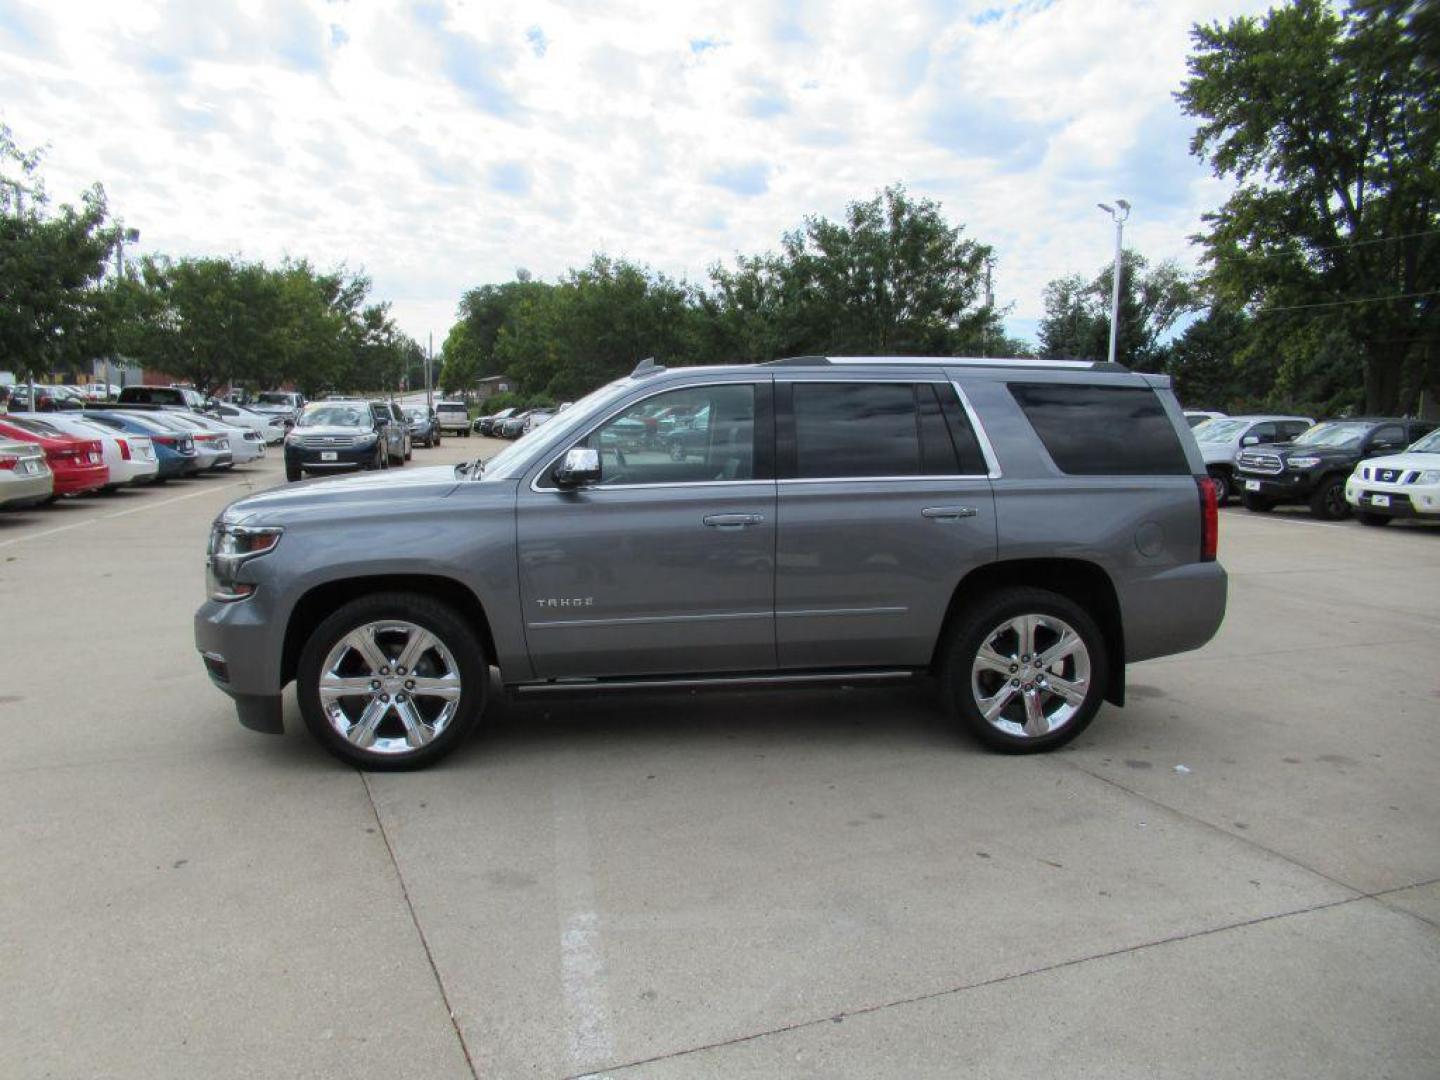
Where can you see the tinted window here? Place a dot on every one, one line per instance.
(1389, 435)
(694, 435)
(1265, 432)
(1103, 430)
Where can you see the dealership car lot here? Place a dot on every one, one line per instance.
(1236, 874)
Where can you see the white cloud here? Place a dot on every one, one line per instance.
(439, 146)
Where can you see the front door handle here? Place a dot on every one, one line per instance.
(732, 521)
(948, 513)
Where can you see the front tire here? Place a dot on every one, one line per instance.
(1328, 502)
(294, 473)
(1024, 670)
(1224, 486)
(392, 681)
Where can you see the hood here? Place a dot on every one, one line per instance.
(1405, 462)
(340, 496)
(1324, 453)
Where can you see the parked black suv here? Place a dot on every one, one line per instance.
(1314, 467)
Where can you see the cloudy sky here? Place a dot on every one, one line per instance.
(443, 144)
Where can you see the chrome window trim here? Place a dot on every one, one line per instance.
(992, 463)
(880, 479)
(742, 379)
(959, 361)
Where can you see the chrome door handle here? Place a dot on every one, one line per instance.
(732, 521)
(948, 513)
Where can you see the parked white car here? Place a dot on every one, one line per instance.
(99, 391)
(25, 478)
(245, 445)
(1221, 439)
(270, 427)
(130, 458)
(1402, 485)
(1196, 417)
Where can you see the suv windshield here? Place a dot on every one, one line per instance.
(1220, 430)
(334, 416)
(1342, 435)
(1430, 444)
(274, 398)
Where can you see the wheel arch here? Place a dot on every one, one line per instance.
(1084, 582)
(313, 607)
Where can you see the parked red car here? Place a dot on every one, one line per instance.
(78, 464)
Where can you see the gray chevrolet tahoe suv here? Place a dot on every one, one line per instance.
(1020, 529)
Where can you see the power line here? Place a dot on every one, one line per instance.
(1343, 303)
(1337, 247)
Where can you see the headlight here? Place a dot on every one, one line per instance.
(1304, 462)
(1429, 476)
(231, 547)
(366, 440)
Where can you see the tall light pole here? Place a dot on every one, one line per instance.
(1120, 215)
(125, 235)
(429, 359)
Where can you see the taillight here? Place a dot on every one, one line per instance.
(124, 449)
(8, 461)
(1209, 519)
(163, 440)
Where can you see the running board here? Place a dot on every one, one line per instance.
(713, 682)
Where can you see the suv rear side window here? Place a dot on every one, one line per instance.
(857, 430)
(1103, 430)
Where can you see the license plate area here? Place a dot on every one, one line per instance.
(1252, 485)
(1379, 500)
(329, 455)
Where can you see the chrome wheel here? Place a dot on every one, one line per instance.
(1031, 675)
(389, 687)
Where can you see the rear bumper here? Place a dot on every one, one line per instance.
(1174, 611)
(75, 481)
(17, 492)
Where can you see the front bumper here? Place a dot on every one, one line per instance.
(1284, 487)
(344, 458)
(237, 646)
(1407, 501)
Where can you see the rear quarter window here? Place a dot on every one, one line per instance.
(1102, 430)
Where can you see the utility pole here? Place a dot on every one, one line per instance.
(1120, 215)
(132, 235)
(989, 306)
(429, 360)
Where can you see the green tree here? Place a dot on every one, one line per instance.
(1077, 313)
(1330, 125)
(54, 313)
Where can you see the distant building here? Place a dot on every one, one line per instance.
(495, 384)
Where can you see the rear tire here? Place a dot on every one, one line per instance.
(1256, 503)
(1366, 518)
(1328, 502)
(372, 734)
(990, 663)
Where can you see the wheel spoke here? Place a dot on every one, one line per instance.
(1068, 643)
(333, 686)
(990, 660)
(416, 733)
(1073, 691)
(447, 687)
(1035, 721)
(362, 732)
(1025, 631)
(363, 641)
(991, 707)
(420, 642)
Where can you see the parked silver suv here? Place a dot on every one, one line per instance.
(1020, 529)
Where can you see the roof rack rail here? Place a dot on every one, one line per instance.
(946, 361)
(647, 367)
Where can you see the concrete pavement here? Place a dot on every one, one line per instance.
(1235, 875)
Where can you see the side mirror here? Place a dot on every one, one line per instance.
(580, 466)
(1250, 440)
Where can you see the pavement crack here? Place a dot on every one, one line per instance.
(419, 930)
(998, 980)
